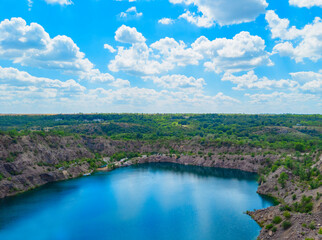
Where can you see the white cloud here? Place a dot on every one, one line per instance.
(300, 81)
(222, 12)
(243, 52)
(251, 81)
(312, 81)
(302, 43)
(22, 82)
(137, 59)
(176, 53)
(177, 81)
(21, 92)
(110, 48)
(31, 45)
(313, 86)
(166, 21)
(127, 34)
(306, 3)
(131, 12)
(60, 2)
(281, 98)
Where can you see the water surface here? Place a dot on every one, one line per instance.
(150, 201)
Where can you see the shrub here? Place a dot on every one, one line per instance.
(277, 219)
(283, 177)
(320, 230)
(287, 215)
(312, 225)
(305, 206)
(285, 208)
(299, 147)
(294, 196)
(286, 224)
(274, 229)
(269, 226)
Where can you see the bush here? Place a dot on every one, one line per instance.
(320, 230)
(299, 147)
(312, 225)
(1, 176)
(294, 196)
(269, 226)
(277, 219)
(286, 224)
(283, 177)
(305, 206)
(287, 215)
(274, 229)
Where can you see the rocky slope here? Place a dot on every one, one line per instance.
(30, 161)
(27, 162)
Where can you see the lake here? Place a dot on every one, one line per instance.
(148, 201)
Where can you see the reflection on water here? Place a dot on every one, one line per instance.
(198, 171)
(148, 201)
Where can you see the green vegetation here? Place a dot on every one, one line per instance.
(312, 225)
(277, 220)
(286, 224)
(304, 206)
(1, 177)
(287, 131)
(269, 226)
(283, 177)
(287, 214)
(124, 155)
(295, 139)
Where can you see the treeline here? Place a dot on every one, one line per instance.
(284, 131)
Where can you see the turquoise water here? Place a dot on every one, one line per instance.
(150, 201)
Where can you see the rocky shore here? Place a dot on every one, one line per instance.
(37, 162)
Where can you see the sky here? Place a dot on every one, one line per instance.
(161, 56)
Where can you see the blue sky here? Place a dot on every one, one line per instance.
(237, 56)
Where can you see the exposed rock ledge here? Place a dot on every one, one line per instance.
(37, 177)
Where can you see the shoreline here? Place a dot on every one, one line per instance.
(262, 216)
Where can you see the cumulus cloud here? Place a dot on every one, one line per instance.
(23, 82)
(31, 45)
(137, 59)
(131, 13)
(312, 81)
(221, 11)
(176, 53)
(300, 81)
(251, 81)
(21, 92)
(241, 53)
(306, 3)
(166, 21)
(296, 43)
(178, 81)
(127, 34)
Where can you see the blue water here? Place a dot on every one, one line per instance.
(150, 201)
